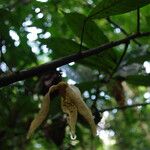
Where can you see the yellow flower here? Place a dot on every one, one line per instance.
(71, 104)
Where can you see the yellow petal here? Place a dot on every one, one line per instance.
(75, 96)
(71, 103)
(40, 117)
(70, 109)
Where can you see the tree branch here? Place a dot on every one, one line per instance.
(122, 30)
(35, 71)
(124, 107)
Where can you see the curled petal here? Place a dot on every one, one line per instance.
(75, 96)
(71, 103)
(70, 109)
(40, 117)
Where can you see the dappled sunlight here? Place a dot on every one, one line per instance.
(147, 66)
(84, 64)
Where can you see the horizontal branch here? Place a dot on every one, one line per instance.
(35, 71)
(124, 107)
(122, 30)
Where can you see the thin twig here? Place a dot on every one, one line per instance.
(82, 34)
(124, 107)
(1, 53)
(41, 69)
(117, 26)
(138, 20)
(120, 60)
(122, 30)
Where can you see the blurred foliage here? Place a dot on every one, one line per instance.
(33, 32)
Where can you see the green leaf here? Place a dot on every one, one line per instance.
(93, 35)
(108, 8)
(139, 80)
(63, 47)
(67, 47)
(138, 57)
(85, 86)
(148, 20)
(2, 2)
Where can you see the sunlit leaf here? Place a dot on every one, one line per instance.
(92, 36)
(108, 8)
